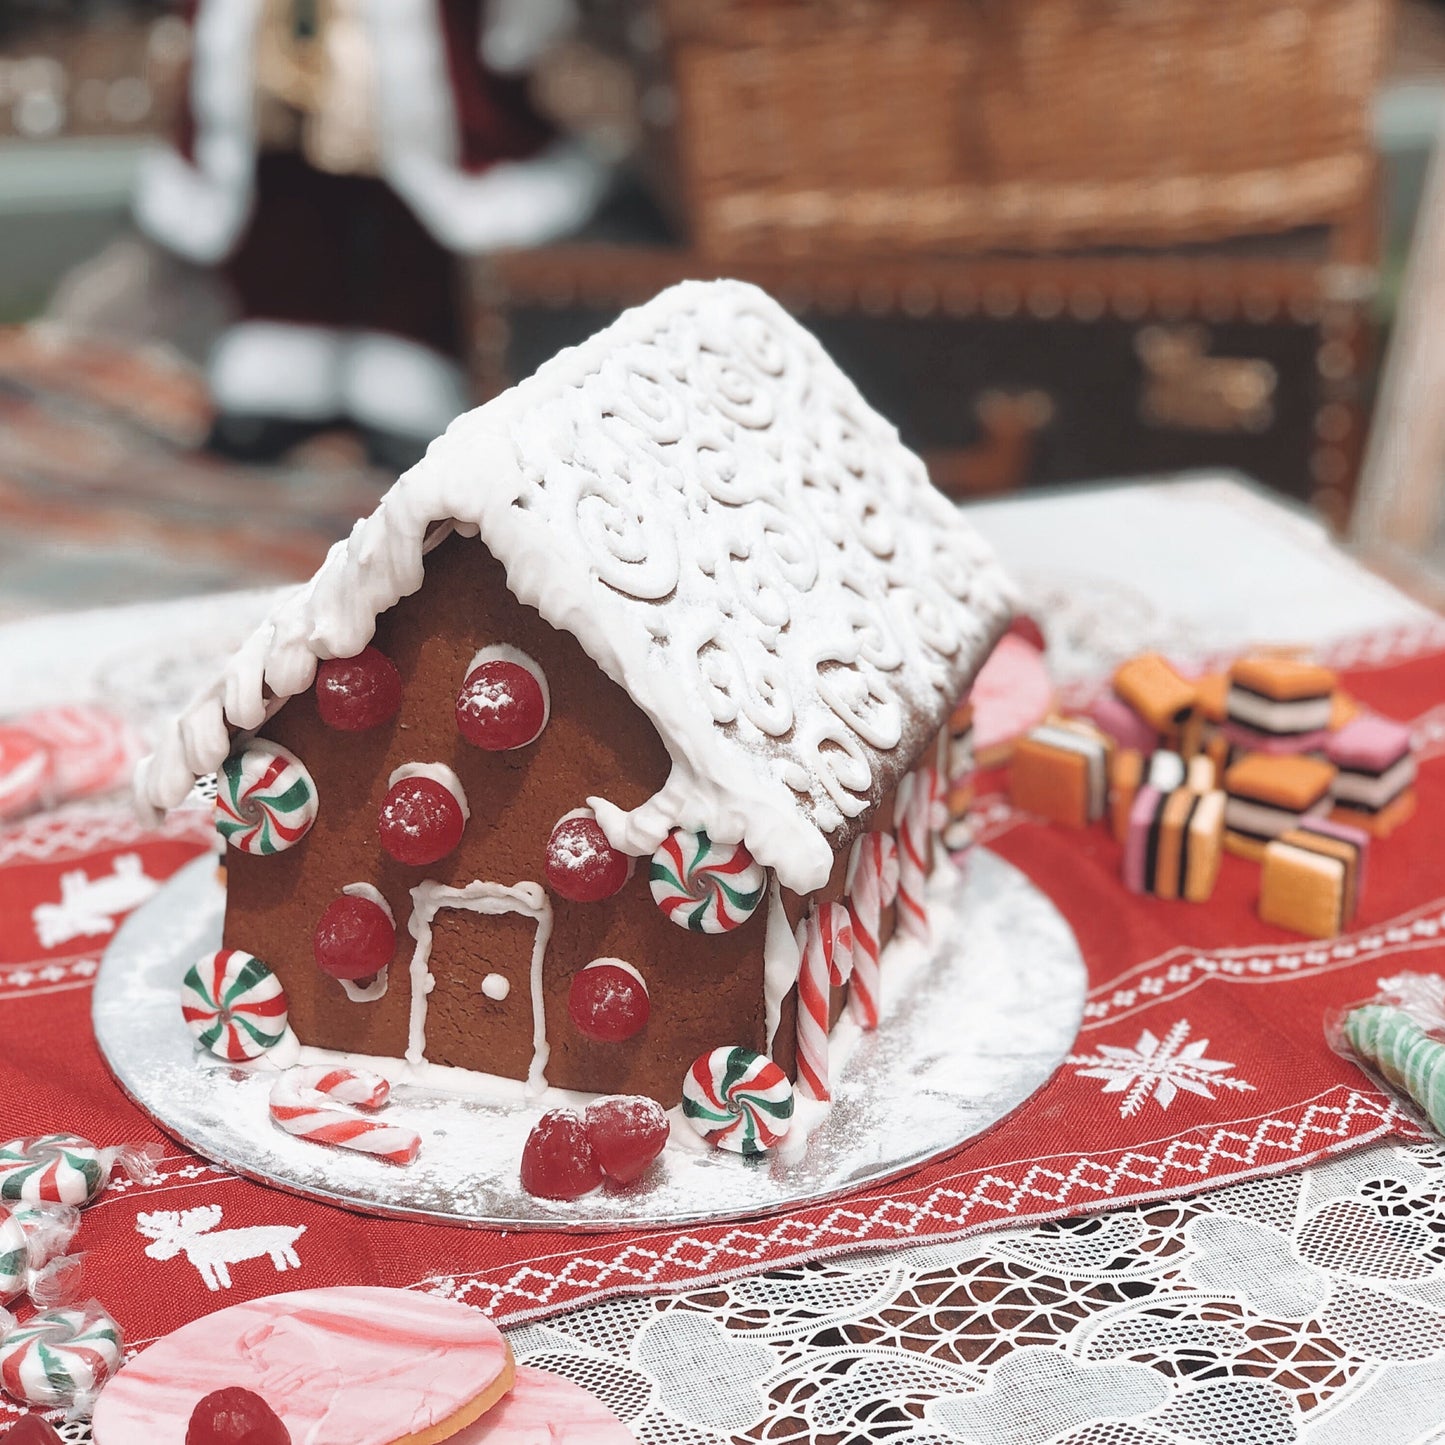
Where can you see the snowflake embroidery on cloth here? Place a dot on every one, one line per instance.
(1157, 1067)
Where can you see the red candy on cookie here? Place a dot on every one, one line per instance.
(235, 1416)
(581, 864)
(31, 1430)
(608, 1001)
(627, 1132)
(354, 694)
(557, 1159)
(354, 939)
(503, 703)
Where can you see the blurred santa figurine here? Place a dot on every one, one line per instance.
(335, 156)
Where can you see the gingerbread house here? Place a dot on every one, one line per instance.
(658, 649)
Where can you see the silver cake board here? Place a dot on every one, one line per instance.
(971, 1027)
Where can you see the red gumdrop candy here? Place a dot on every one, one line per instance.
(501, 706)
(354, 939)
(235, 1416)
(31, 1430)
(581, 864)
(356, 693)
(557, 1160)
(627, 1132)
(420, 821)
(607, 1003)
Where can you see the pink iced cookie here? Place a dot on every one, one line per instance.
(545, 1409)
(1115, 717)
(1368, 745)
(26, 773)
(1011, 694)
(339, 1366)
(93, 749)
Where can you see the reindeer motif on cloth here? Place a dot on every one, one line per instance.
(193, 1232)
(88, 907)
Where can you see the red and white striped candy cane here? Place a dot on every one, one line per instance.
(303, 1103)
(826, 941)
(872, 886)
(914, 807)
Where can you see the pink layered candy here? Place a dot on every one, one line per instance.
(1248, 740)
(1136, 845)
(1115, 717)
(1368, 745)
(545, 1409)
(339, 1366)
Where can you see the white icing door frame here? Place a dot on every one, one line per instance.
(428, 899)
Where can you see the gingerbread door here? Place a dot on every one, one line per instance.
(483, 947)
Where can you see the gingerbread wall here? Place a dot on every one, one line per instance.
(706, 990)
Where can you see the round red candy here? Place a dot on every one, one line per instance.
(31, 1430)
(235, 1416)
(420, 822)
(581, 864)
(607, 1002)
(355, 938)
(357, 693)
(501, 706)
(627, 1132)
(557, 1159)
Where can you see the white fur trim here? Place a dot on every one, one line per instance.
(278, 368)
(199, 210)
(516, 33)
(401, 386)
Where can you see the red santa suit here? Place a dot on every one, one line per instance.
(337, 214)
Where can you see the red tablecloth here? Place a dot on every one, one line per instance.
(1201, 1060)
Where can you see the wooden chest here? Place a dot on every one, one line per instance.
(1009, 371)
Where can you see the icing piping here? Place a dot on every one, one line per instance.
(700, 455)
(428, 899)
(782, 959)
(368, 993)
(496, 986)
(438, 773)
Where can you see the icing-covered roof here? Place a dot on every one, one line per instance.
(702, 498)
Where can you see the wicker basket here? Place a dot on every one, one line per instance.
(805, 126)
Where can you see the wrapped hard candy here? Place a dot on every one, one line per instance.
(33, 1241)
(61, 1358)
(66, 1169)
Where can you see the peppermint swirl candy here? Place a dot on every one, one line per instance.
(738, 1100)
(53, 1169)
(14, 1258)
(234, 1006)
(60, 1358)
(265, 799)
(704, 886)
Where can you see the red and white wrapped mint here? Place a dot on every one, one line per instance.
(27, 774)
(33, 1241)
(93, 749)
(59, 1359)
(66, 1169)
